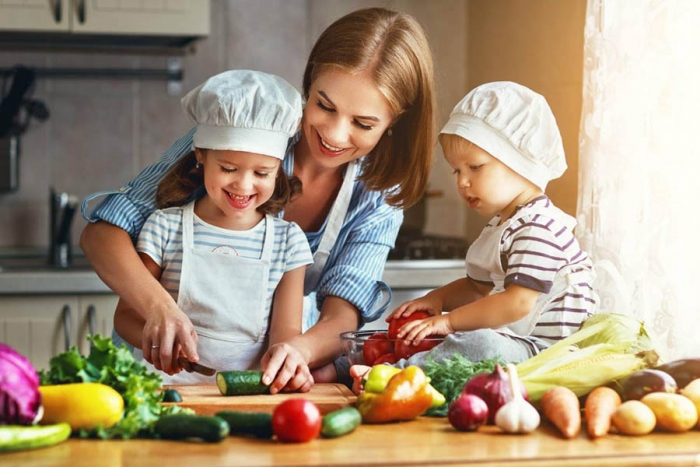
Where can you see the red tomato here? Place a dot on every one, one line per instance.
(296, 421)
(404, 349)
(386, 358)
(396, 324)
(375, 346)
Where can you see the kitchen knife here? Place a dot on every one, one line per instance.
(196, 367)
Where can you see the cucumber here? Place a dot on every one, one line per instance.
(340, 422)
(258, 424)
(241, 383)
(185, 426)
(171, 395)
(15, 438)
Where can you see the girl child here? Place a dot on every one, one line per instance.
(528, 284)
(364, 151)
(233, 267)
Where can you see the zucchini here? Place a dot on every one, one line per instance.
(171, 395)
(258, 424)
(185, 426)
(15, 438)
(340, 422)
(241, 383)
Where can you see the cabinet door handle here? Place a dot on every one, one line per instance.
(92, 319)
(57, 10)
(66, 325)
(81, 11)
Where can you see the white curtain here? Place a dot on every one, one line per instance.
(639, 181)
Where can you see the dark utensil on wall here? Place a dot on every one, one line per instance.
(16, 111)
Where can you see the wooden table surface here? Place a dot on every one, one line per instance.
(425, 441)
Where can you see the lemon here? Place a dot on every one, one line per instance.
(81, 405)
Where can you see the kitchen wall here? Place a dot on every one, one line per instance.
(537, 43)
(101, 133)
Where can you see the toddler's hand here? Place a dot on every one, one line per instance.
(426, 303)
(420, 329)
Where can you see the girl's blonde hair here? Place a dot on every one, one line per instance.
(184, 178)
(394, 47)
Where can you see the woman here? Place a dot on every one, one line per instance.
(364, 150)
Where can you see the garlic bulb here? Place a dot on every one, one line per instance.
(516, 415)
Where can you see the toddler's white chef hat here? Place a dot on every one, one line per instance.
(515, 125)
(244, 110)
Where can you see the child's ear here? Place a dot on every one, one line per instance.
(199, 155)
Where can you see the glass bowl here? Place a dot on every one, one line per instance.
(374, 347)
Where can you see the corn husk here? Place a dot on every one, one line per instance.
(607, 348)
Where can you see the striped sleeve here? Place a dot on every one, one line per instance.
(130, 206)
(298, 252)
(535, 249)
(154, 236)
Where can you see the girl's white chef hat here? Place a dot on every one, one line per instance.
(244, 110)
(515, 125)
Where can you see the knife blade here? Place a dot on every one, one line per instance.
(196, 367)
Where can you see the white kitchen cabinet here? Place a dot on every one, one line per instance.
(42, 326)
(95, 316)
(120, 17)
(33, 15)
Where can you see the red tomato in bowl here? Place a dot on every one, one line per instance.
(375, 346)
(386, 358)
(296, 421)
(396, 324)
(404, 349)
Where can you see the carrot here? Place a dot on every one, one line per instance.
(599, 408)
(562, 408)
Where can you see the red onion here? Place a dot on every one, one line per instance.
(20, 400)
(468, 412)
(494, 389)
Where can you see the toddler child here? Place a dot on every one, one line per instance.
(528, 284)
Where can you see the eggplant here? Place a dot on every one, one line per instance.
(683, 371)
(643, 382)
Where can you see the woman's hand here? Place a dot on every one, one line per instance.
(284, 368)
(429, 303)
(420, 329)
(167, 336)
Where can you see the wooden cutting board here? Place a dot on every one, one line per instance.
(207, 399)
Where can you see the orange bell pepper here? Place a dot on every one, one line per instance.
(407, 395)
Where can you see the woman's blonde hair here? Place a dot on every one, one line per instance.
(395, 48)
(182, 180)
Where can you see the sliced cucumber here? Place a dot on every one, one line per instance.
(171, 395)
(15, 438)
(258, 424)
(241, 383)
(184, 426)
(340, 422)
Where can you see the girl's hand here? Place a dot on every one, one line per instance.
(166, 337)
(420, 329)
(284, 368)
(426, 303)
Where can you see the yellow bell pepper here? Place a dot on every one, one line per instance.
(407, 395)
(379, 376)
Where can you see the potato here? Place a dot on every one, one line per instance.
(633, 418)
(692, 392)
(674, 412)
